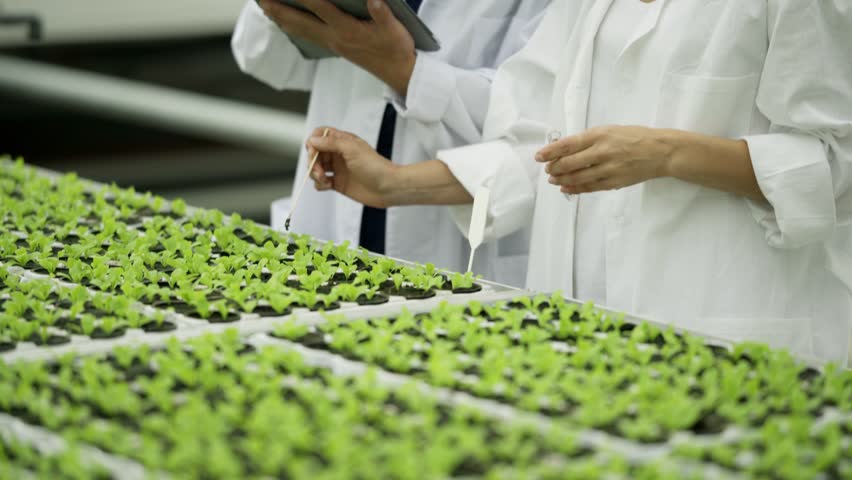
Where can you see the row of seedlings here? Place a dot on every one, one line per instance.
(199, 263)
(41, 312)
(218, 407)
(22, 460)
(637, 382)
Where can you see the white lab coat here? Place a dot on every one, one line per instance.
(774, 72)
(445, 107)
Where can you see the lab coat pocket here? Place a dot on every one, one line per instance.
(794, 334)
(720, 106)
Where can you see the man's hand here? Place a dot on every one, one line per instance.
(382, 46)
(350, 166)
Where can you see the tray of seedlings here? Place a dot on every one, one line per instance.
(37, 312)
(640, 385)
(221, 406)
(142, 338)
(202, 265)
(24, 461)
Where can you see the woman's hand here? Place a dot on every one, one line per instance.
(606, 158)
(609, 158)
(382, 46)
(349, 166)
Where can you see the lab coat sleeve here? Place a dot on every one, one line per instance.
(453, 101)
(515, 128)
(804, 164)
(497, 165)
(263, 51)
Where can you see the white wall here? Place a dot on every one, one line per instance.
(75, 21)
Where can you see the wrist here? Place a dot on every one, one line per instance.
(669, 147)
(398, 73)
(390, 184)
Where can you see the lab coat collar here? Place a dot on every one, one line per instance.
(579, 79)
(649, 23)
(597, 13)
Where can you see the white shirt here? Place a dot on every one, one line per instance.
(445, 107)
(772, 72)
(589, 252)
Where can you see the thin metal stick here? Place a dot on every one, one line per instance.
(295, 202)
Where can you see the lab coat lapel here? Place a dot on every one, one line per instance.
(577, 90)
(595, 13)
(649, 23)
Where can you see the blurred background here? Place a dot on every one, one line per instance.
(145, 94)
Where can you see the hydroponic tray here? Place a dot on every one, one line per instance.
(137, 253)
(496, 383)
(769, 415)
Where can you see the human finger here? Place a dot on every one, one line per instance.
(317, 132)
(318, 171)
(295, 21)
(585, 176)
(601, 185)
(323, 186)
(567, 146)
(320, 132)
(320, 175)
(328, 13)
(328, 144)
(334, 142)
(573, 163)
(381, 14)
(333, 132)
(326, 163)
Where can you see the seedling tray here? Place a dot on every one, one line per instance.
(300, 406)
(646, 388)
(689, 451)
(139, 247)
(545, 387)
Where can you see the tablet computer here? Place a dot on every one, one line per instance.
(423, 37)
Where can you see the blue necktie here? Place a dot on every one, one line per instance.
(374, 220)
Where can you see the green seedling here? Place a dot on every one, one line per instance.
(291, 330)
(462, 280)
(348, 270)
(398, 280)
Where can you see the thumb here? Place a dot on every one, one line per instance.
(380, 13)
(330, 144)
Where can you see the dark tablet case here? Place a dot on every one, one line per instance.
(423, 37)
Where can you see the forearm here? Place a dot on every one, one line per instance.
(424, 183)
(714, 162)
